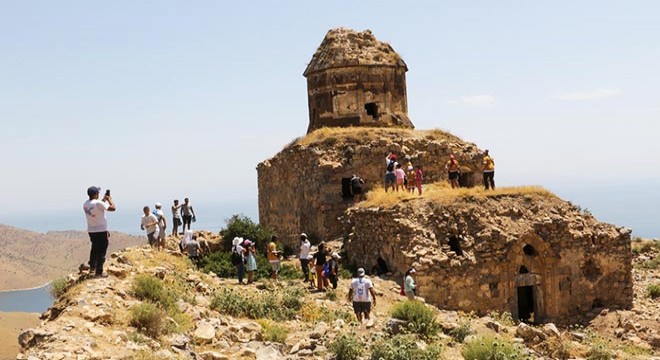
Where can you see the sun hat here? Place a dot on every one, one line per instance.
(236, 241)
(93, 190)
(360, 272)
(336, 256)
(247, 242)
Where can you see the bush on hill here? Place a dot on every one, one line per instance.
(404, 347)
(420, 318)
(488, 347)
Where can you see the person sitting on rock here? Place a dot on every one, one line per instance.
(454, 171)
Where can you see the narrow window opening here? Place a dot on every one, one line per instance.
(529, 250)
(523, 270)
(372, 110)
(455, 245)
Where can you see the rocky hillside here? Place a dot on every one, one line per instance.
(29, 259)
(157, 306)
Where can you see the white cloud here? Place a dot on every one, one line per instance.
(596, 94)
(475, 101)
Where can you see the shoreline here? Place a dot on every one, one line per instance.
(32, 288)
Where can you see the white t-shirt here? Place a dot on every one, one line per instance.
(361, 288)
(95, 213)
(304, 249)
(151, 218)
(161, 218)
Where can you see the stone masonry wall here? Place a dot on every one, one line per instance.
(475, 254)
(300, 187)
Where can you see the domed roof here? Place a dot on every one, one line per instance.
(343, 47)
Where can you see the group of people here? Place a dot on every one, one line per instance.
(398, 179)
(410, 179)
(155, 223)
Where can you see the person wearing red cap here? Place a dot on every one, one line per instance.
(454, 171)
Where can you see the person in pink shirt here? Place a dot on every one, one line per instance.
(400, 177)
(419, 178)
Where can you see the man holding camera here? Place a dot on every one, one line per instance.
(97, 227)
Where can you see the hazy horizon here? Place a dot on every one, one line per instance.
(164, 99)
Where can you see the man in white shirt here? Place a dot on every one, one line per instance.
(359, 292)
(97, 227)
(150, 225)
(304, 255)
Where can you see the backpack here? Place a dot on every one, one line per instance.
(326, 270)
(236, 258)
(390, 166)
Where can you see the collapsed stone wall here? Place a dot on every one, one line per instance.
(478, 253)
(300, 188)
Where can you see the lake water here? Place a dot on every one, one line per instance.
(32, 300)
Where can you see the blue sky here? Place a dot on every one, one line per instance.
(164, 99)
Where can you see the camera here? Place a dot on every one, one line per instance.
(107, 192)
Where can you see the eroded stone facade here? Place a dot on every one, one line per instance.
(355, 80)
(535, 256)
(300, 188)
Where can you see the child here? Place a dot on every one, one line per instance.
(419, 178)
(410, 176)
(400, 176)
(312, 272)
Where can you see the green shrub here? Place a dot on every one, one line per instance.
(403, 347)
(346, 347)
(275, 305)
(273, 332)
(148, 319)
(331, 295)
(650, 264)
(58, 287)
(420, 318)
(492, 348)
(654, 291)
(148, 287)
(240, 225)
(462, 331)
(220, 264)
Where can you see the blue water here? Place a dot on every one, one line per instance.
(33, 300)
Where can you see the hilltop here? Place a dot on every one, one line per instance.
(29, 259)
(203, 316)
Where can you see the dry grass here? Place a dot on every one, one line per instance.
(443, 193)
(358, 134)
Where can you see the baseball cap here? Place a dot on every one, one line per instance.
(303, 235)
(360, 272)
(412, 271)
(158, 205)
(93, 190)
(336, 256)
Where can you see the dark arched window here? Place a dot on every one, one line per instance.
(529, 250)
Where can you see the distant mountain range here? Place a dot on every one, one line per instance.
(29, 259)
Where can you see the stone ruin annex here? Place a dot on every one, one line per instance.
(531, 254)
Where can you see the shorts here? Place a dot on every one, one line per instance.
(399, 181)
(275, 265)
(187, 219)
(390, 179)
(161, 234)
(453, 175)
(176, 221)
(361, 307)
(151, 237)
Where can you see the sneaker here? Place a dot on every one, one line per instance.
(83, 267)
(103, 275)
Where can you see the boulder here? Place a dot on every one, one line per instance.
(530, 334)
(205, 332)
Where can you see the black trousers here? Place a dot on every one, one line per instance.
(489, 180)
(97, 253)
(304, 263)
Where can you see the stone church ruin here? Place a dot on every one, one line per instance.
(530, 253)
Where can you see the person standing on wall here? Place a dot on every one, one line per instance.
(97, 227)
(176, 218)
(304, 255)
(454, 171)
(188, 214)
(489, 171)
